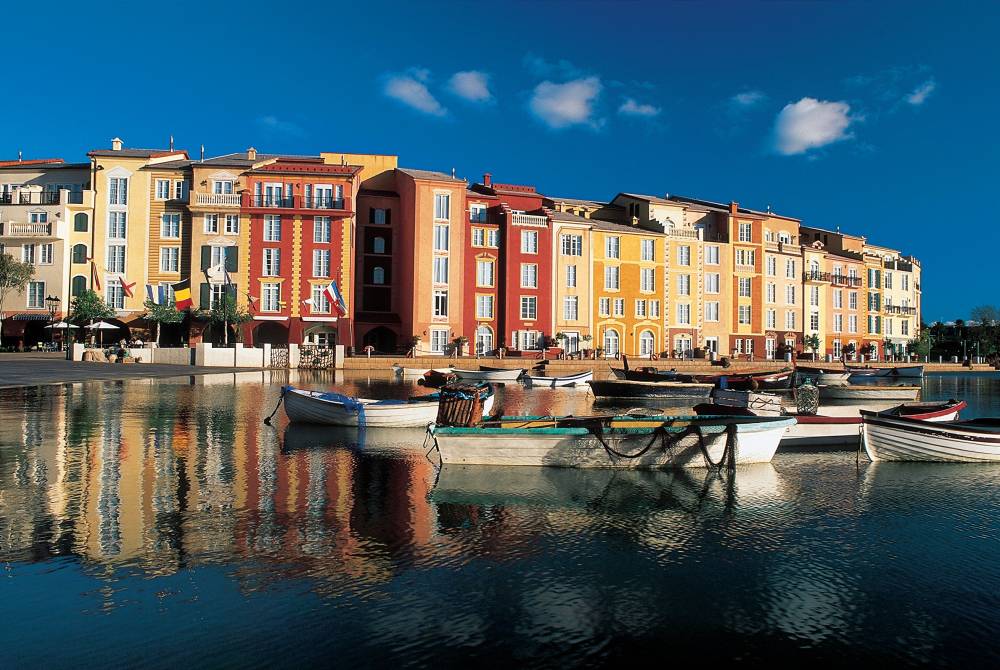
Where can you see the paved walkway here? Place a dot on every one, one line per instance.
(33, 369)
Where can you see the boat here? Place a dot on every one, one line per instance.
(768, 379)
(869, 372)
(490, 374)
(541, 381)
(821, 377)
(901, 438)
(869, 392)
(410, 372)
(437, 379)
(915, 371)
(649, 374)
(619, 389)
(908, 371)
(653, 442)
(335, 409)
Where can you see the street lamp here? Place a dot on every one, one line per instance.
(52, 302)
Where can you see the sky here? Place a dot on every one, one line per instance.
(879, 118)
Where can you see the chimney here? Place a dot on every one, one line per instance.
(768, 208)
(453, 173)
(202, 153)
(116, 144)
(171, 142)
(251, 154)
(19, 156)
(488, 180)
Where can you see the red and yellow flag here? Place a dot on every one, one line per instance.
(182, 295)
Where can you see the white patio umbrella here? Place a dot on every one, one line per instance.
(100, 327)
(61, 325)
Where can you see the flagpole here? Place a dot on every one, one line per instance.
(225, 299)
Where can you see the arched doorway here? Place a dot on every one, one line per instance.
(646, 343)
(382, 339)
(611, 341)
(484, 340)
(270, 332)
(320, 336)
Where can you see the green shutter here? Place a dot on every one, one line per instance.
(79, 285)
(206, 257)
(206, 296)
(80, 222)
(80, 253)
(232, 259)
(231, 291)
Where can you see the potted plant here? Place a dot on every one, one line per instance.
(459, 348)
(848, 351)
(414, 341)
(812, 341)
(586, 347)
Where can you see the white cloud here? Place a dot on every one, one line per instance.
(632, 108)
(920, 93)
(561, 69)
(273, 123)
(471, 85)
(748, 98)
(568, 104)
(810, 124)
(411, 89)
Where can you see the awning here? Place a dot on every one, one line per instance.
(30, 317)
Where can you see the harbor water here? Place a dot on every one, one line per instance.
(161, 523)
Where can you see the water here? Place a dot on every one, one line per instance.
(162, 523)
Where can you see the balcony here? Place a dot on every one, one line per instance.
(841, 280)
(686, 233)
(298, 202)
(15, 229)
(30, 198)
(747, 269)
(813, 275)
(518, 219)
(896, 309)
(218, 199)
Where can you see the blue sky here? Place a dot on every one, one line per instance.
(878, 118)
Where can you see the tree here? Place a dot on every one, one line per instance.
(14, 277)
(89, 307)
(225, 313)
(848, 350)
(813, 342)
(920, 345)
(986, 315)
(160, 314)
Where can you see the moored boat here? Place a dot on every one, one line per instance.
(748, 381)
(572, 379)
(619, 389)
(901, 438)
(490, 374)
(649, 374)
(614, 442)
(335, 409)
(869, 372)
(820, 376)
(914, 371)
(410, 372)
(869, 392)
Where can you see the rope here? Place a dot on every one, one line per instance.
(667, 441)
(284, 390)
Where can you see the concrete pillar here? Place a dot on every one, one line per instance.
(265, 360)
(293, 355)
(75, 352)
(201, 352)
(338, 357)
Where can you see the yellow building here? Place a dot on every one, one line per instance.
(573, 286)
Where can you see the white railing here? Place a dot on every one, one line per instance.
(218, 199)
(12, 229)
(690, 233)
(528, 219)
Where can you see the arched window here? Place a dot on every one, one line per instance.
(646, 343)
(378, 276)
(379, 245)
(79, 253)
(484, 340)
(80, 222)
(814, 266)
(610, 342)
(784, 238)
(78, 286)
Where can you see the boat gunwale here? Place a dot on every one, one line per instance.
(960, 429)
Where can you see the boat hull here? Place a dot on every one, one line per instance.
(536, 381)
(869, 392)
(616, 389)
(914, 371)
(304, 407)
(870, 372)
(755, 442)
(898, 439)
(489, 375)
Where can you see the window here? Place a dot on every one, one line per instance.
(654, 309)
(647, 279)
(572, 245)
(170, 258)
(789, 320)
(648, 253)
(852, 323)
(745, 257)
(478, 237)
(211, 223)
(711, 255)
(640, 309)
(380, 216)
(610, 343)
(321, 263)
(906, 284)
(477, 213)
(789, 295)
(441, 237)
(612, 247)
(571, 308)
(116, 225)
(684, 255)
(529, 242)
(38, 217)
(743, 314)
(772, 319)
(646, 343)
(270, 297)
(873, 302)
(888, 280)
(711, 311)
(814, 321)
(45, 254)
(272, 261)
(814, 296)
(529, 275)
(440, 302)
(378, 245)
(218, 256)
(216, 296)
(790, 268)
(440, 269)
(79, 253)
(222, 187)
(712, 282)
(484, 307)
(78, 286)
(36, 295)
(570, 276)
(484, 273)
(852, 300)
(442, 206)
(744, 287)
(170, 225)
(838, 323)
(117, 191)
(272, 228)
(904, 327)
(838, 299)
(771, 290)
(80, 222)
(784, 238)
(604, 307)
(611, 278)
(772, 266)
(684, 284)
(529, 339)
(745, 232)
(529, 307)
(619, 307)
(162, 189)
(684, 314)
(115, 295)
(439, 340)
(493, 238)
(320, 301)
(28, 253)
(378, 275)
(116, 258)
(180, 190)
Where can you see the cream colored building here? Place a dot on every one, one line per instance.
(573, 304)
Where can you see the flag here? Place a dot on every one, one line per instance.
(309, 301)
(155, 294)
(337, 300)
(126, 288)
(95, 275)
(182, 295)
(216, 272)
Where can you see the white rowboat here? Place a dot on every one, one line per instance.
(891, 438)
(539, 381)
(330, 409)
(489, 375)
(869, 392)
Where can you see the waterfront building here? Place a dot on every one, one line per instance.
(816, 291)
(900, 309)
(572, 284)
(45, 214)
(845, 309)
(483, 268)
